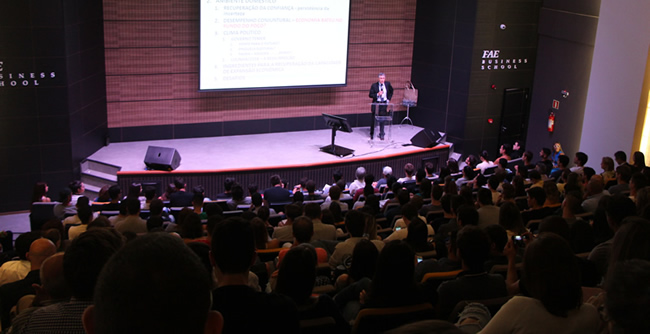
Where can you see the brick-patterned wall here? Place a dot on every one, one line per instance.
(152, 66)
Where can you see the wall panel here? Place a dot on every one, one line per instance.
(152, 67)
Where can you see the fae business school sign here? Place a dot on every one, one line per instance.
(491, 61)
(10, 78)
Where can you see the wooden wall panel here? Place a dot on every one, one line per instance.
(152, 66)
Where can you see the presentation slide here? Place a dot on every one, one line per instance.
(256, 44)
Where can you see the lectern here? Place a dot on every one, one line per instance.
(336, 123)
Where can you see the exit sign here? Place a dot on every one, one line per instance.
(556, 104)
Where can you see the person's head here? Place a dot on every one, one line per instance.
(563, 161)
(508, 192)
(409, 169)
(360, 173)
(555, 224)
(493, 182)
(498, 237)
(484, 156)
(85, 214)
(505, 149)
(580, 159)
(510, 217)
(624, 173)
(39, 250)
(540, 167)
(292, 211)
(551, 274)
(485, 197)
(179, 183)
(23, 242)
(381, 77)
(628, 296)
(471, 160)
(40, 189)
(632, 241)
(545, 153)
(85, 258)
(620, 157)
(233, 246)
(364, 260)
(303, 229)
(256, 199)
(536, 197)
(335, 192)
(312, 210)
(132, 206)
(527, 157)
(275, 180)
(139, 290)
(135, 189)
(418, 234)
(452, 165)
(468, 172)
(395, 268)
(617, 208)
(53, 285)
(115, 192)
(191, 227)
(551, 191)
(637, 181)
(260, 232)
(607, 164)
(473, 247)
(409, 211)
(77, 187)
(65, 196)
(467, 215)
(297, 274)
(355, 223)
(638, 159)
(403, 196)
(237, 192)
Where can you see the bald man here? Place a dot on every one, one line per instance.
(53, 289)
(10, 293)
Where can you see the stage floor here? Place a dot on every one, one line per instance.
(267, 150)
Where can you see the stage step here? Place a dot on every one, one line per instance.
(95, 175)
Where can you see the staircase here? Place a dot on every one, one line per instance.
(95, 175)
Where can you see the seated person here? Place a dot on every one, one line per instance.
(355, 223)
(473, 283)
(296, 279)
(233, 252)
(126, 301)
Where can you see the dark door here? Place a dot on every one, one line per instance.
(514, 115)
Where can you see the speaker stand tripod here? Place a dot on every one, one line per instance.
(408, 105)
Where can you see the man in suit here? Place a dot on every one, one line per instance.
(380, 92)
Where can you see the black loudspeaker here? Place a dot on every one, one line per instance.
(426, 138)
(162, 158)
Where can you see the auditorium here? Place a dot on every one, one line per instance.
(260, 108)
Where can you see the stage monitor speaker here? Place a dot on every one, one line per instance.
(426, 138)
(162, 158)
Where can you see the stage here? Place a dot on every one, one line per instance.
(253, 158)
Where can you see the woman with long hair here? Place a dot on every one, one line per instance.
(552, 300)
(40, 193)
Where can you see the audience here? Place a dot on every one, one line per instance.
(553, 302)
(233, 253)
(82, 263)
(473, 235)
(154, 284)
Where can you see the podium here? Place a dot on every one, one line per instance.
(382, 122)
(336, 123)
